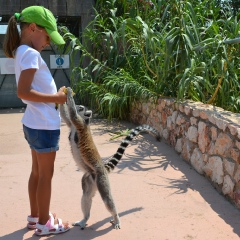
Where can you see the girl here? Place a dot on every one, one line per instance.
(41, 121)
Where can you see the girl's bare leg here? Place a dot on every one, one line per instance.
(40, 185)
(43, 194)
(32, 187)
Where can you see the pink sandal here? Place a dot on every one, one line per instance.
(50, 228)
(32, 221)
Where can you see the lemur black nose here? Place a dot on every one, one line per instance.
(88, 113)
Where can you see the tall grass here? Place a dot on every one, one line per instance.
(137, 50)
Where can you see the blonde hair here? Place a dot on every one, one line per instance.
(12, 37)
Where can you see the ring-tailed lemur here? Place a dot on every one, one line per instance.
(88, 159)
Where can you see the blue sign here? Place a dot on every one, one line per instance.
(59, 61)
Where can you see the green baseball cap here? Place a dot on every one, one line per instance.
(44, 18)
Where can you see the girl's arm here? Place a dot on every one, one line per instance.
(25, 92)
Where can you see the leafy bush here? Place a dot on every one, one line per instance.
(134, 50)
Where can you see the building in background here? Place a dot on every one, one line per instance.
(75, 14)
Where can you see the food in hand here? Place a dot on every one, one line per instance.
(65, 91)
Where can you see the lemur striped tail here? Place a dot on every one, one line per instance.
(112, 163)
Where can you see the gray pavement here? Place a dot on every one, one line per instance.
(158, 195)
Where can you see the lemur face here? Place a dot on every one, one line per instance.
(84, 113)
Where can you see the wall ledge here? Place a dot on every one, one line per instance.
(205, 136)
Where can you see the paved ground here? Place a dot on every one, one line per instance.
(158, 195)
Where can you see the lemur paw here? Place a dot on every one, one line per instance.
(82, 224)
(115, 225)
(69, 92)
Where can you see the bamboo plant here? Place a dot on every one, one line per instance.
(137, 50)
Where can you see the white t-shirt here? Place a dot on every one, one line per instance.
(38, 115)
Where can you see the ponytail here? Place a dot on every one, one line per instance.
(12, 38)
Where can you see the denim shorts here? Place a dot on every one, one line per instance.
(42, 141)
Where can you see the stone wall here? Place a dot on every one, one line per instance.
(207, 137)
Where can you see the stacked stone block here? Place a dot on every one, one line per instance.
(207, 137)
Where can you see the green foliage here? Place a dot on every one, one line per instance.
(135, 50)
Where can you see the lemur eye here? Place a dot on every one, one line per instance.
(80, 108)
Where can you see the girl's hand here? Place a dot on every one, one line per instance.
(62, 97)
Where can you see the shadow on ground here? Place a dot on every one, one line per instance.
(86, 234)
(148, 148)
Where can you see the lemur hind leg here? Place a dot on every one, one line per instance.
(89, 189)
(103, 186)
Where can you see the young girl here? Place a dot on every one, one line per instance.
(41, 121)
